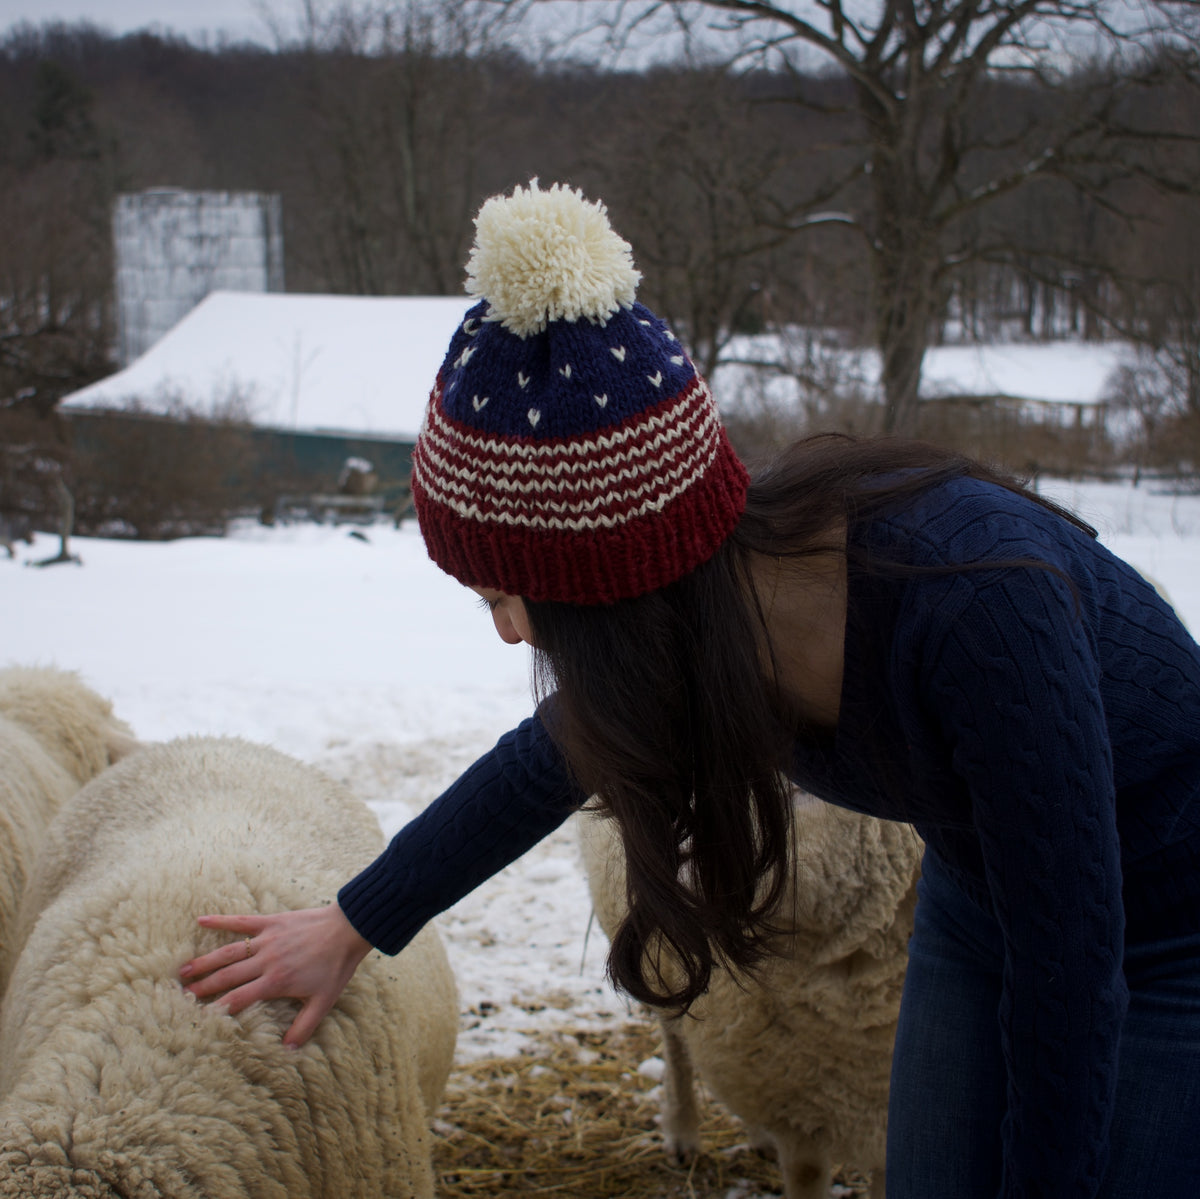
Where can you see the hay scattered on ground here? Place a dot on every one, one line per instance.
(578, 1119)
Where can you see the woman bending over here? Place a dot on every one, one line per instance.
(896, 628)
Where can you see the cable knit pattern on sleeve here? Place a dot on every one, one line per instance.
(1017, 685)
(1041, 727)
(500, 807)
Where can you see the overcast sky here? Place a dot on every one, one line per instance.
(240, 20)
(236, 20)
(569, 25)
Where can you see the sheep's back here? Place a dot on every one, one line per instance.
(804, 1047)
(33, 786)
(75, 725)
(96, 1012)
(806, 1043)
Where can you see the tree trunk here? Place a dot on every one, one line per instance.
(902, 349)
(66, 526)
(905, 302)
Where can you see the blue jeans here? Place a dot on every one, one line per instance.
(948, 1079)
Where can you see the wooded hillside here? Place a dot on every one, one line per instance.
(893, 196)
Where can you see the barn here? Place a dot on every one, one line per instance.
(293, 400)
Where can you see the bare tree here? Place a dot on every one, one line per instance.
(933, 155)
(55, 277)
(689, 194)
(55, 280)
(1165, 310)
(402, 98)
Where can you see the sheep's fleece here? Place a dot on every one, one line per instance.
(55, 734)
(117, 1084)
(74, 724)
(802, 1051)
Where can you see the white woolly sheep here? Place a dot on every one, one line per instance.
(76, 725)
(55, 734)
(801, 1051)
(118, 1084)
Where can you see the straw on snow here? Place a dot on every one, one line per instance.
(576, 1117)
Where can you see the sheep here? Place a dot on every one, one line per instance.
(116, 1083)
(76, 725)
(801, 1051)
(55, 734)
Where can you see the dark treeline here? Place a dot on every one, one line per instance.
(736, 189)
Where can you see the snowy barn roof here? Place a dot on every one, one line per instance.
(348, 364)
(365, 364)
(1065, 372)
(1068, 373)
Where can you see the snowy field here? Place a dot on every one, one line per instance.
(364, 659)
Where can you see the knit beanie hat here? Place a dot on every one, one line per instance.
(570, 451)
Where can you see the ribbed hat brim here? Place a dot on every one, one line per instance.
(597, 565)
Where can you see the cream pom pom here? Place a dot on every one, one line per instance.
(544, 256)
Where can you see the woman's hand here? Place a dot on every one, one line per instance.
(309, 955)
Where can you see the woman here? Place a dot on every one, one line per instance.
(894, 627)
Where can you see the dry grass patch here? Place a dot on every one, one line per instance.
(578, 1119)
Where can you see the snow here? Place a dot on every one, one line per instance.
(1058, 372)
(366, 364)
(1068, 372)
(362, 364)
(360, 657)
(363, 658)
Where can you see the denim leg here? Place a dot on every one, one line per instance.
(947, 1096)
(1155, 1140)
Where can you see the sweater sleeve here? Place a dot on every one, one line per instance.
(1016, 685)
(500, 807)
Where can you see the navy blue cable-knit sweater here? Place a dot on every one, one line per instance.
(1041, 727)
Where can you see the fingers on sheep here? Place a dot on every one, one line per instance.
(801, 1051)
(55, 735)
(115, 1081)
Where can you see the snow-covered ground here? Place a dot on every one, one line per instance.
(358, 656)
(363, 658)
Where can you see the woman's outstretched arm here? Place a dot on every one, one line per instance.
(500, 807)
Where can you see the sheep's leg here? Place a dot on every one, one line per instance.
(878, 1187)
(680, 1117)
(806, 1169)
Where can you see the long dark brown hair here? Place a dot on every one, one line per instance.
(667, 709)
